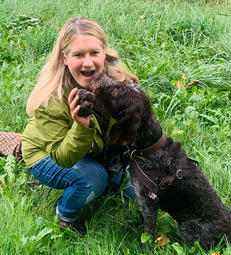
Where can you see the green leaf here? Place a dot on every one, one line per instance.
(196, 98)
(160, 68)
(41, 234)
(227, 251)
(177, 132)
(179, 250)
(24, 240)
(145, 237)
(3, 179)
(10, 164)
(209, 118)
(53, 237)
(44, 232)
(126, 251)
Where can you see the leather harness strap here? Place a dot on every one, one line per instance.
(135, 154)
(149, 178)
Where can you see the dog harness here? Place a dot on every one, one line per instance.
(158, 180)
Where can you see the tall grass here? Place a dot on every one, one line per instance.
(181, 52)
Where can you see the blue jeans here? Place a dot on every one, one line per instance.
(83, 182)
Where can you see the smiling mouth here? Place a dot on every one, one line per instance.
(87, 73)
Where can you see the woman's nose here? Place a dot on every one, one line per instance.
(87, 62)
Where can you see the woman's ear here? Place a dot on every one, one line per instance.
(64, 58)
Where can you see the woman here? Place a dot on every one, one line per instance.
(58, 146)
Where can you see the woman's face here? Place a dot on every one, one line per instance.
(85, 57)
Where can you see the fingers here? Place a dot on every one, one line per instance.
(75, 111)
(74, 108)
(73, 100)
(72, 95)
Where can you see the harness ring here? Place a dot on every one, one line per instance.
(179, 174)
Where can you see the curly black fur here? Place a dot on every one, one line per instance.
(191, 201)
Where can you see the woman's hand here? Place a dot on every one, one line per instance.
(73, 101)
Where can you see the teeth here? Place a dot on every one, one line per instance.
(87, 73)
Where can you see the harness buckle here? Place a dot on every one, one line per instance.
(130, 153)
(179, 174)
(152, 195)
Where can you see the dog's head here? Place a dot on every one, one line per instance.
(126, 103)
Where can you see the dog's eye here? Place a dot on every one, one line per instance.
(115, 92)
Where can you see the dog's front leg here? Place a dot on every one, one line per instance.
(149, 211)
(148, 206)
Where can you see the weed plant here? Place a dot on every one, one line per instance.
(180, 50)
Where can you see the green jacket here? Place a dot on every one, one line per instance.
(52, 132)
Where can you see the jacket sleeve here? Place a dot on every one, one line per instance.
(64, 140)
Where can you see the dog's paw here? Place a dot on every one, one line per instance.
(86, 102)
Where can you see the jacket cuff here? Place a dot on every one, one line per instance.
(78, 130)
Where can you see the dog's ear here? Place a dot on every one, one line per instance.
(125, 130)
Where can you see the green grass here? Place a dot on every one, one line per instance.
(165, 43)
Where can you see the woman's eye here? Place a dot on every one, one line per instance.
(78, 54)
(95, 52)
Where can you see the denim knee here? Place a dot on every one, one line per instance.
(89, 181)
(82, 183)
(94, 178)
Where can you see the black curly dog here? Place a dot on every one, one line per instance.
(161, 173)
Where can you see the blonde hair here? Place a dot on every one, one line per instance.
(55, 76)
